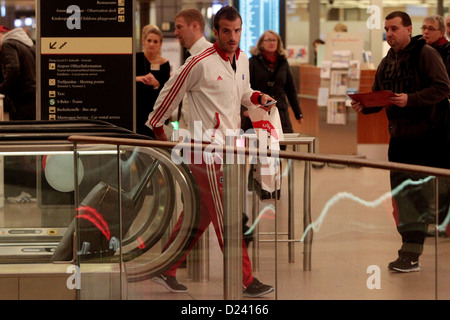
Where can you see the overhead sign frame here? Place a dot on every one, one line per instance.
(86, 57)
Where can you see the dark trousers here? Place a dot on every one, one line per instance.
(413, 195)
(23, 108)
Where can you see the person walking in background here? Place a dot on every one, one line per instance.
(316, 43)
(433, 31)
(414, 71)
(152, 72)
(18, 60)
(447, 26)
(217, 84)
(189, 29)
(270, 73)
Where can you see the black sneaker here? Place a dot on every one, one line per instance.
(257, 289)
(405, 264)
(170, 283)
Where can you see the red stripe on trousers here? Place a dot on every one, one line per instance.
(208, 214)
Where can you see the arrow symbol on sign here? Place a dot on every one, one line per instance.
(52, 46)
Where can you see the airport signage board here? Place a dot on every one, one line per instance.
(259, 16)
(86, 60)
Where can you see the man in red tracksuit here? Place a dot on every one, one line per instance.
(216, 84)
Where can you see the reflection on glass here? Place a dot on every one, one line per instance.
(361, 218)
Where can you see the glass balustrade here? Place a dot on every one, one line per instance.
(332, 233)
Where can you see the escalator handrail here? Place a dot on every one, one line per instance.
(301, 156)
(182, 241)
(31, 130)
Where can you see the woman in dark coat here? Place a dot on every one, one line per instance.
(270, 73)
(152, 72)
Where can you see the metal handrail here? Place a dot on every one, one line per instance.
(337, 159)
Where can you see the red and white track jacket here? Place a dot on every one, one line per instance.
(214, 91)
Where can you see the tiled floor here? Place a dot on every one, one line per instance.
(350, 253)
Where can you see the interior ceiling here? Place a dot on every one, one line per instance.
(20, 4)
(366, 3)
(28, 4)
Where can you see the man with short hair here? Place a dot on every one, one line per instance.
(217, 82)
(189, 29)
(433, 31)
(415, 72)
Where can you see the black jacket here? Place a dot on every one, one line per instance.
(418, 71)
(18, 58)
(444, 51)
(277, 82)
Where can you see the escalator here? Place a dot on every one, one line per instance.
(84, 224)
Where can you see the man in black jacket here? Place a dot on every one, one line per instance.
(18, 60)
(416, 73)
(18, 57)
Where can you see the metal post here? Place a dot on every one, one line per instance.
(233, 199)
(255, 213)
(291, 220)
(440, 7)
(307, 219)
(314, 26)
(198, 259)
(77, 203)
(255, 244)
(122, 280)
(277, 184)
(436, 250)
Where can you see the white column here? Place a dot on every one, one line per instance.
(376, 23)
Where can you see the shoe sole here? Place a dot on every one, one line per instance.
(405, 270)
(165, 285)
(256, 295)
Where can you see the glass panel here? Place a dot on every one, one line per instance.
(37, 206)
(165, 199)
(97, 222)
(443, 285)
(355, 234)
(359, 221)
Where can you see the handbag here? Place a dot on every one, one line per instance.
(267, 171)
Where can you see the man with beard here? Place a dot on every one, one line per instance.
(216, 82)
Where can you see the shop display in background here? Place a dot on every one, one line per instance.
(340, 74)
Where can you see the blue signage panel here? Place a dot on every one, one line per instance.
(259, 16)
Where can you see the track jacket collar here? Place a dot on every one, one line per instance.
(223, 54)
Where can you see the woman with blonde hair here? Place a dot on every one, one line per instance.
(270, 73)
(152, 72)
